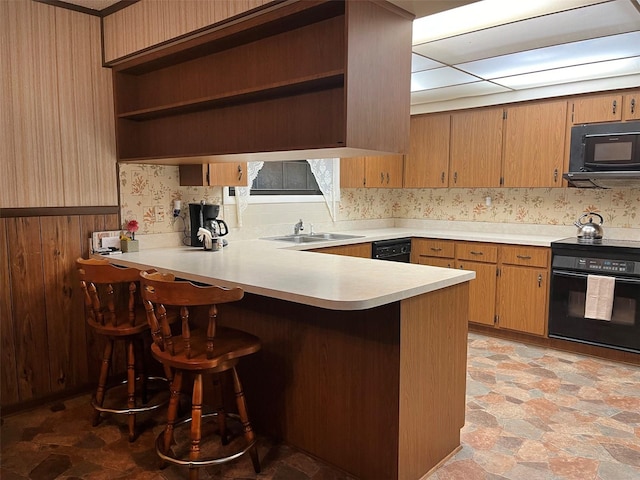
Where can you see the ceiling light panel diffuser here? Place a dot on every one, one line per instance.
(419, 63)
(439, 77)
(558, 56)
(456, 91)
(597, 20)
(613, 68)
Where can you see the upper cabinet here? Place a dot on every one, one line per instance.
(233, 174)
(374, 172)
(596, 108)
(427, 163)
(534, 144)
(296, 80)
(476, 148)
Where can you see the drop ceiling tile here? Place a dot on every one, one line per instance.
(420, 63)
(578, 73)
(474, 89)
(573, 25)
(439, 77)
(575, 53)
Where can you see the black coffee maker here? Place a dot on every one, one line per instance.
(205, 215)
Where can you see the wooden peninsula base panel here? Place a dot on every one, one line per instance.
(379, 393)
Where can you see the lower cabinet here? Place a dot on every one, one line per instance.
(511, 287)
(357, 250)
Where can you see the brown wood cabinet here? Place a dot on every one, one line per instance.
(596, 108)
(523, 286)
(233, 174)
(291, 82)
(362, 250)
(476, 148)
(510, 290)
(426, 165)
(631, 106)
(371, 172)
(534, 144)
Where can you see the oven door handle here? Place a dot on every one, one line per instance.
(562, 273)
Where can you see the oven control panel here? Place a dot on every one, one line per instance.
(597, 265)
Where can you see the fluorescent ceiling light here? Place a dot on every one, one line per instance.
(485, 14)
(558, 56)
(439, 77)
(613, 68)
(419, 63)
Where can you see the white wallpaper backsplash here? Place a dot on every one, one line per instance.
(147, 193)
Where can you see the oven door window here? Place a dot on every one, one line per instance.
(567, 309)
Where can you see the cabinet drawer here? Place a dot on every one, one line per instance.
(427, 247)
(526, 256)
(477, 252)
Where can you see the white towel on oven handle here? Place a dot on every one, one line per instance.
(599, 300)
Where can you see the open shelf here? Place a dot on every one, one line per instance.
(300, 76)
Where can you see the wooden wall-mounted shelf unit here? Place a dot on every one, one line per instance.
(303, 79)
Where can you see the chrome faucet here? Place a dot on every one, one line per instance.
(297, 227)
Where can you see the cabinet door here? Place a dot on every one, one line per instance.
(522, 299)
(427, 163)
(383, 171)
(482, 291)
(476, 148)
(534, 145)
(352, 172)
(631, 104)
(228, 174)
(601, 108)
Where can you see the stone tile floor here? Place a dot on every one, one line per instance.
(532, 414)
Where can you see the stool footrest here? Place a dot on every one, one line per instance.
(132, 411)
(203, 462)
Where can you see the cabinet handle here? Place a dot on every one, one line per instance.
(476, 253)
(239, 172)
(436, 249)
(442, 175)
(633, 105)
(539, 280)
(555, 175)
(455, 177)
(381, 178)
(524, 257)
(388, 178)
(615, 106)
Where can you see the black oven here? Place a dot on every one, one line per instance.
(574, 266)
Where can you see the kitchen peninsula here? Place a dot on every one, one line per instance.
(363, 361)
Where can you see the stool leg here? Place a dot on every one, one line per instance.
(172, 411)
(222, 420)
(141, 368)
(244, 417)
(196, 424)
(102, 379)
(131, 388)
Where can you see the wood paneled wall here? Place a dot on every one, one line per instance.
(46, 348)
(150, 22)
(57, 130)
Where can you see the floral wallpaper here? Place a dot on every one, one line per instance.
(147, 193)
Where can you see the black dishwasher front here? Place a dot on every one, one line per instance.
(395, 250)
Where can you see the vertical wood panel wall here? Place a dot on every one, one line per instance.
(46, 347)
(149, 22)
(57, 125)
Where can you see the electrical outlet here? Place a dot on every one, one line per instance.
(159, 213)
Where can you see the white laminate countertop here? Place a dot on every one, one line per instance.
(283, 270)
(277, 270)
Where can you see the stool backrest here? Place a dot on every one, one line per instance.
(102, 308)
(162, 289)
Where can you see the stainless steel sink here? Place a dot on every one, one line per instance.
(316, 237)
(334, 236)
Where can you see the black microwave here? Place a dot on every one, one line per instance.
(605, 155)
(605, 147)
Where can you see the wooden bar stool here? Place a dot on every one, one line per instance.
(210, 352)
(118, 319)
